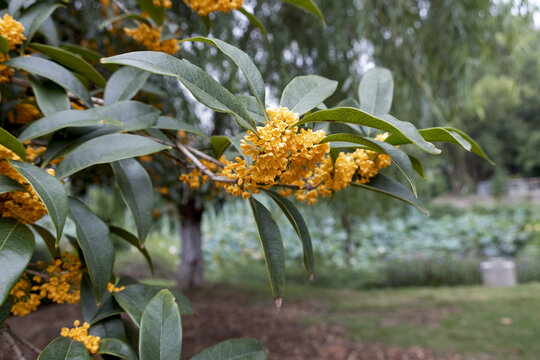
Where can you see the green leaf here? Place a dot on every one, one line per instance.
(15, 5)
(124, 84)
(66, 349)
(105, 149)
(4, 45)
(157, 13)
(219, 145)
(299, 225)
(116, 347)
(133, 16)
(35, 16)
(110, 327)
(170, 123)
(52, 71)
(308, 5)
(11, 142)
(49, 189)
(7, 184)
(87, 54)
(16, 249)
(272, 245)
(51, 98)
(252, 106)
(255, 21)
(244, 63)
(234, 349)
(417, 166)
(304, 93)
(49, 240)
(161, 329)
(132, 239)
(203, 87)
(387, 186)
(95, 242)
(133, 300)
(376, 91)
(137, 191)
(399, 158)
(444, 134)
(384, 123)
(71, 61)
(91, 312)
(5, 310)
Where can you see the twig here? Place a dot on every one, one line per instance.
(37, 273)
(204, 169)
(121, 6)
(25, 342)
(205, 156)
(12, 343)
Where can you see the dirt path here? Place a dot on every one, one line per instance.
(223, 315)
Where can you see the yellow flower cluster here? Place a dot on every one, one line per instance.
(64, 283)
(61, 284)
(80, 333)
(286, 155)
(26, 206)
(23, 113)
(196, 178)
(280, 154)
(112, 289)
(12, 31)
(24, 301)
(205, 7)
(167, 4)
(150, 37)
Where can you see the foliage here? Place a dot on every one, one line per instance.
(66, 134)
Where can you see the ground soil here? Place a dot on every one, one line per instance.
(223, 314)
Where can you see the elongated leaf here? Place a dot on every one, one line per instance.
(384, 123)
(51, 98)
(132, 239)
(203, 87)
(170, 123)
(52, 71)
(299, 225)
(106, 149)
(15, 5)
(252, 106)
(161, 329)
(255, 21)
(137, 191)
(87, 54)
(444, 134)
(35, 16)
(64, 119)
(272, 244)
(116, 347)
(49, 189)
(5, 310)
(16, 249)
(387, 186)
(50, 32)
(417, 166)
(94, 239)
(7, 184)
(134, 298)
(376, 91)
(48, 239)
(157, 13)
(308, 5)
(219, 145)
(65, 349)
(246, 65)
(133, 16)
(11, 142)
(93, 313)
(4, 45)
(124, 84)
(304, 93)
(71, 61)
(400, 159)
(234, 349)
(110, 327)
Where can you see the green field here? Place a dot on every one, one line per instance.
(475, 322)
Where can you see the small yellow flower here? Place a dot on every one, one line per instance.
(23, 113)
(112, 289)
(150, 37)
(205, 7)
(12, 31)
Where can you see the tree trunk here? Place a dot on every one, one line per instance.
(191, 272)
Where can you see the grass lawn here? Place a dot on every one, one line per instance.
(475, 322)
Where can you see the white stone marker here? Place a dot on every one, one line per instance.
(498, 272)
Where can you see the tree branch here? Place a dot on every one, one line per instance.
(12, 343)
(25, 342)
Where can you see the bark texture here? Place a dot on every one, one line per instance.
(191, 272)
